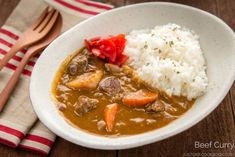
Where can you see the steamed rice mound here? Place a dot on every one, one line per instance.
(168, 58)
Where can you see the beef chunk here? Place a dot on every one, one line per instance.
(110, 85)
(78, 65)
(157, 106)
(86, 53)
(85, 104)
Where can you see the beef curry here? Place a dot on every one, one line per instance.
(110, 100)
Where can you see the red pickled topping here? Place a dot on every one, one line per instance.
(97, 53)
(122, 59)
(120, 42)
(109, 48)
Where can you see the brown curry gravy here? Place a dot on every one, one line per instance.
(129, 121)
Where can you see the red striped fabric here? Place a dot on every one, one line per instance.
(40, 144)
(8, 33)
(8, 143)
(13, 67)
(13, 36)
(12, 131)
(40, 139)
(76, 8)
(10, 44)
(94, 4)
(33, 149)
(17, 58)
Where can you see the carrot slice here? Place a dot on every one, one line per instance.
(139, 98)
(109, 116)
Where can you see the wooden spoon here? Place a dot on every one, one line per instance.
(36, 48)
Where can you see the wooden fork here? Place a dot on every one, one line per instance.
(34, 33)
(34, 49)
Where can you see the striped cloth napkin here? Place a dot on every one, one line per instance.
(19, 126)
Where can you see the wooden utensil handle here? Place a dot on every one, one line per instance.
(15, 48)
(5, 93)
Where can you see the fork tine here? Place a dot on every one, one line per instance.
(45, 20)
(40, 18)
(51, 22)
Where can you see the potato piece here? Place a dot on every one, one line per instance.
(87, 80)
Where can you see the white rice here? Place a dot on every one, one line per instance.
(168, 58)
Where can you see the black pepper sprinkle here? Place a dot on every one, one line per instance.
(145, 45)
(178, 38)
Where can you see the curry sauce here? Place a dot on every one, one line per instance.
(129, 120)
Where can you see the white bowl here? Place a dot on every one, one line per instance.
(217, 41)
